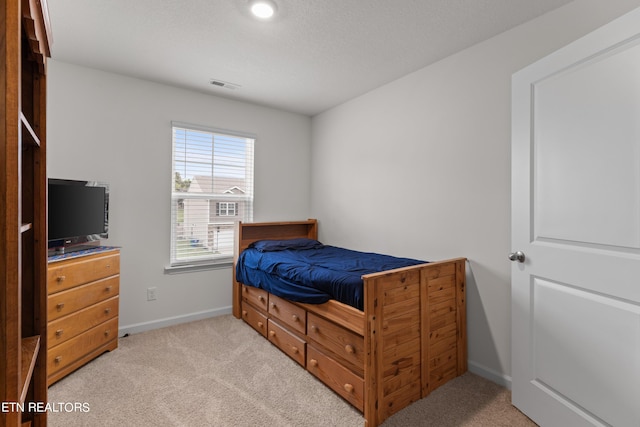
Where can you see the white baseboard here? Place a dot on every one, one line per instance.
(490, 374)
(170, 321)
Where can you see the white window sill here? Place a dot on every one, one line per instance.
(203, 266)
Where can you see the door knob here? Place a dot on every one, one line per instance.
(517, 256)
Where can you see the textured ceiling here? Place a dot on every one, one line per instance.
(314, 55)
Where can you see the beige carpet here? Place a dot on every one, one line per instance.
(219, 372)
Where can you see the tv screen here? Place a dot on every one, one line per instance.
(78, 212)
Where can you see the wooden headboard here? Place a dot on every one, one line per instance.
(247, 233)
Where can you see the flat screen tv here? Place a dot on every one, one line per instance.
(78, 214)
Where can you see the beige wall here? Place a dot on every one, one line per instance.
(107, 127)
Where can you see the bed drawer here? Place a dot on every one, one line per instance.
(66, 302)
(68, 327)
(291, 314)
(338, 340)
(254, 318)
(293, 346)
(337, 377)
(256, 296)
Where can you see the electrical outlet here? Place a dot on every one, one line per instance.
(151, 293)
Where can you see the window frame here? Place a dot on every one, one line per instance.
(216, 261)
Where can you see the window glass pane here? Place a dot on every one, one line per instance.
(212, 189)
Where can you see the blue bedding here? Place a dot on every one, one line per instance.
(304, 270)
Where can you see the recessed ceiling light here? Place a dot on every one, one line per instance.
(263, 9)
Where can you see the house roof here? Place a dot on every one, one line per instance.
(219, 185)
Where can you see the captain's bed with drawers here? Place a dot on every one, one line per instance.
(380, 331)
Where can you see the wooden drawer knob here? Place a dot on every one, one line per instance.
(313, 362)
(348, 388)
(260, 298)
(107, 310)
(295, 317)
(58, 359)
(59, 332)
(244, 313)
(60, 278)
(107, 332)
(260, 324)
(272, 333)
(314, 328)
(273, 305)
(294, 350)
(349, 349)
(60, 306)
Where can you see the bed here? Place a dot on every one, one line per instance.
(407, 338)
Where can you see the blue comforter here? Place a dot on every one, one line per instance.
(312, 272)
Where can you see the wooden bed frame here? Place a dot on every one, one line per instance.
(410, 339)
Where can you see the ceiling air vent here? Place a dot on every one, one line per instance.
(222, 83)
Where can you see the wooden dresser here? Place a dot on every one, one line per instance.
(82, 314)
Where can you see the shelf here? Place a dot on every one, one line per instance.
(30, 347)
(30, 134)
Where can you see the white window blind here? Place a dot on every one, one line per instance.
(211, 190)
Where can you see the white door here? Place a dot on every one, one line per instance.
(576, 220)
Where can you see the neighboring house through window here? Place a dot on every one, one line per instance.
(212, 189)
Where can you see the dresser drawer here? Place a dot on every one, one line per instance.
(342, 342)
(293, 346)
(254, 318)
(291, 314)
(74, 324)
(68, 352)
(66, 274)
(256, 296)
(66, 302)
(337, 377)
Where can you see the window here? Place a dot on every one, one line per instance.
(226, 208)
(211, 190)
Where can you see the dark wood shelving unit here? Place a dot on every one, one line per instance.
(25, 38)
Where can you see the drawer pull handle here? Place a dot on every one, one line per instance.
(60, 306)
(59, 332)
(273, 305)
(314, 328)
(107, 310)
(260, 298)
(313, 362)
(348, 388)
(260, 324)
(294, 350)
(60, 278)
(244, 313)
(349, 349)
(107, 332)
(58, 359)
(295, 317)
(107, 289)
(272, 333)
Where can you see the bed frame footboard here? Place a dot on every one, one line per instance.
(415, 336)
